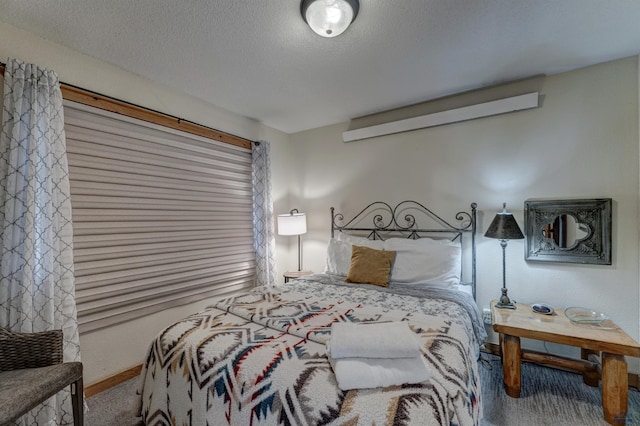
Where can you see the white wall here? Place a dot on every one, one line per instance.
(581, 143)
(108, 351)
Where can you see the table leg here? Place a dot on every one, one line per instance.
(511, 365)
(614, 388)
(589, 377)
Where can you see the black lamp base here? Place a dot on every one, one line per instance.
(505, 302)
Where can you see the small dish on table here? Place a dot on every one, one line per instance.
(585, 316)
(542, 308)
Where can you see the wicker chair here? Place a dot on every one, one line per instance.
(32, 371)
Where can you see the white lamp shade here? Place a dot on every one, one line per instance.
(292, 224)
(329, 18)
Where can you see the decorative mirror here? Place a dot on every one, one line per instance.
(573, 231)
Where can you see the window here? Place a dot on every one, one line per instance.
(160, 217)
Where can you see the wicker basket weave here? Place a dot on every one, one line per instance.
(29, 350)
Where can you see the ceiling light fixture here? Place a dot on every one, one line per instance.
(329, 18)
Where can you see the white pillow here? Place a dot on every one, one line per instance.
(361, 241)
(338, 257)
(339, 252)
(425, 261)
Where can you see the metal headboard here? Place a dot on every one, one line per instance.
(402, 221)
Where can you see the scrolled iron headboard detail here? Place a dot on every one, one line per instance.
(402, 221)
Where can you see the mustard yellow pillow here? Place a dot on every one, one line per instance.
(370, 266)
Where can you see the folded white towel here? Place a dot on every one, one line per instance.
(373, 340)
(364, 373)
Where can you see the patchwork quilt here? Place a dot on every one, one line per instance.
(260, 359)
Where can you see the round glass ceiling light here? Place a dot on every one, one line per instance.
(329, 18)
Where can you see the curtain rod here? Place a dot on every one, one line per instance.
(89, 97)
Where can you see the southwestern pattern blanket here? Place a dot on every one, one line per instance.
(260, 359)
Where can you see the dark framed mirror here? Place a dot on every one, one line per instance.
(573, 231)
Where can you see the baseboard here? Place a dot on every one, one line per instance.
(494, 349)
(112, 381)
(490, 348)
(634, 380)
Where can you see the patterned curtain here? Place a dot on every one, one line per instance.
(37, 290)
(263, 228)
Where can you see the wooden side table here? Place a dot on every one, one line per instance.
(608, 339)
(292, 275)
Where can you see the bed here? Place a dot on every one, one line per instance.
(261, 357)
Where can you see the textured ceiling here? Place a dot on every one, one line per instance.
(259, 59)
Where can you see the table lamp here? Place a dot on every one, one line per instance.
(504, 227)
(293, 223)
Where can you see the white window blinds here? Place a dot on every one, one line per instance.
(160, 217)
